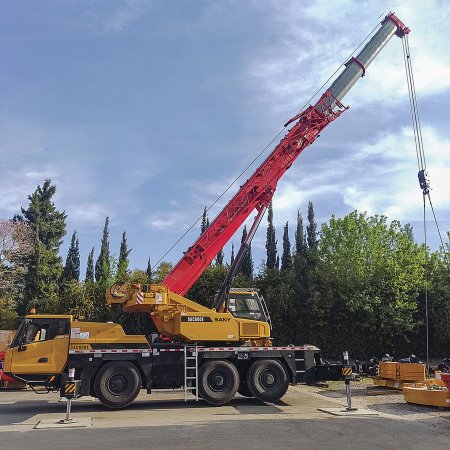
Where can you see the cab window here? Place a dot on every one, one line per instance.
(246, 307)
(36, 332)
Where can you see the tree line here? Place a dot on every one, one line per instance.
(357, 283)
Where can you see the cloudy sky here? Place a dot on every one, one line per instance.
(145, 111)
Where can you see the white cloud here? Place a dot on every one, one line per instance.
(118, 19)
(316, 38)
(167, 222)
(379, 178)
(89, 213)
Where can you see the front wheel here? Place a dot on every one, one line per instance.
(117, 384)
(218, 382)
(267, 380)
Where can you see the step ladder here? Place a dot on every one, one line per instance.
(190, 371)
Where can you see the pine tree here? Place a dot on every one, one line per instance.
(122, 265)
(286, 258)
(90, 267)
(102, 266)
(149, 271)
(71, 270)
(48, 226)
(271, 242)
(232, 254)
(205, 222)
(247, 264)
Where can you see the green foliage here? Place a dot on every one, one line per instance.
(90, 274)
(311, 228)
(122, 266)
(219, 258)
(149, 272)
(8, 314)
(207, 285)
(361, 284)
(438, 298)
(102, 267)
(45, 265)
(368, 277)
(246, 268)
(205, 221)
(162, 271)
(300, 241)
(75, 299)
(286, 258)
(72, 268)
(271, 241)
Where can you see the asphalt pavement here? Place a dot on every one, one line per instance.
(165, 421)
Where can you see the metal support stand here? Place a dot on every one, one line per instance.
(69, 395)
(68, 419)
(347, 372)
(348, 391)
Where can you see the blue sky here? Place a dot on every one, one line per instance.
(145, 111)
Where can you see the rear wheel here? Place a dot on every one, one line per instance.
(218, 382)
(267, 380)
(117, 384)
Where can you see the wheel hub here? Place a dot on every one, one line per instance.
(217, 381)
(268, 379)
(117, 384)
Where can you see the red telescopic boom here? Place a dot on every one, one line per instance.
(256, 194)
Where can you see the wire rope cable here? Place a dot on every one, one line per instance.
(423, 181)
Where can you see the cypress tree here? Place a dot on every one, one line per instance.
(149, 271)
(72, 268)
(102, 266)
(90, 266)
(232, 254)
(300, 243)
(122, 265)
(247, 264)
(311, 229)
(271, 242)
(205, 223)
(219, 258)
(286, 258)
(48, 226)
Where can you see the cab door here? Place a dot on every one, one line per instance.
(42, 347)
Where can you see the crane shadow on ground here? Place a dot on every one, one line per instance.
(20, 411)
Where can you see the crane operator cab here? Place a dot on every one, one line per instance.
(247, 303)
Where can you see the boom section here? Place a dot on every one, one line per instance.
(257, 191)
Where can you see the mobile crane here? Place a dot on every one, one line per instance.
(213, 352)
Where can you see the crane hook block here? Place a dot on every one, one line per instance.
(423, 182)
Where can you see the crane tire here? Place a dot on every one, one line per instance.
(267, 380)
(218, 382)
(117, 384)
